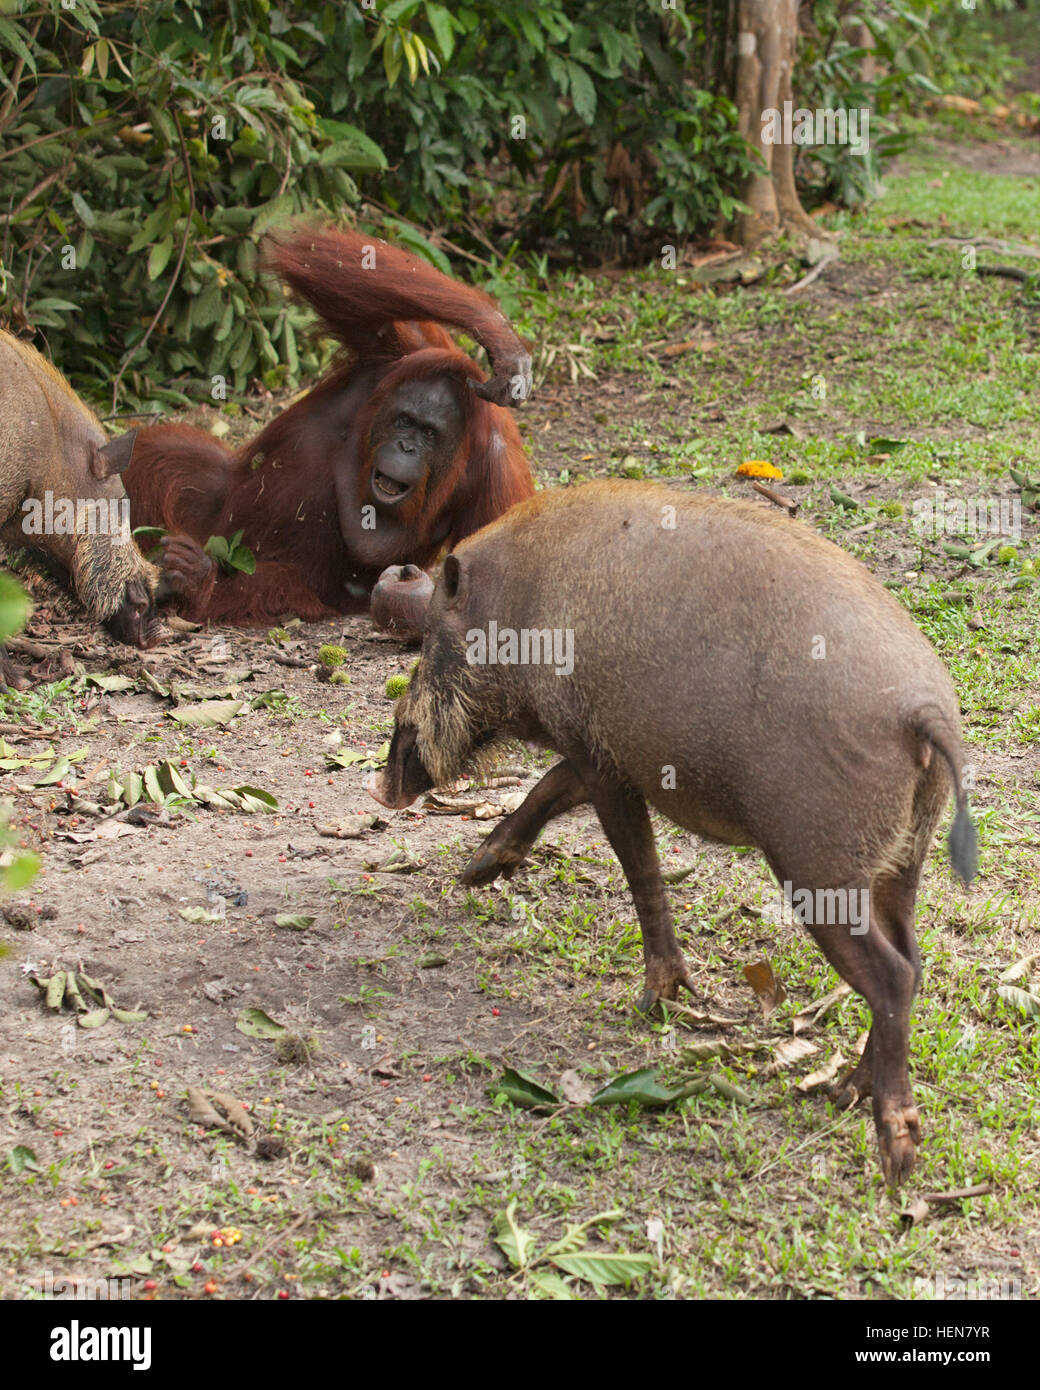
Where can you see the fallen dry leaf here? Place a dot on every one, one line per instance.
(711, 250)
(202, 1230)
(352, 827)
(204, 1108)
(107, 830)
(824, 1075)
(400, 860)
(813, 1013)
(787, 1052)
(914, 1213)
(953, 102)
(668, 1007)
(574, 1088)
(1020, 968)
(702, 344)
(768, 988)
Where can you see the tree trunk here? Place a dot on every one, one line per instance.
(863, 37)
(767, 38)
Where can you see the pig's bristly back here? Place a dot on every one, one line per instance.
(707, 635)
(646, 574)
(42, 421)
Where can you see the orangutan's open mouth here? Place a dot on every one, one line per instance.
(389, 489)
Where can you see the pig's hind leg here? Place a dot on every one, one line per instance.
(508, 845)
(893, 901)
(893, 895)
(882, 965)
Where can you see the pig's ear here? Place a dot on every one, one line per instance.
(455, 580)
(106, 460)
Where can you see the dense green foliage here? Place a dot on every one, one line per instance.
(919, 49)
(146, 148)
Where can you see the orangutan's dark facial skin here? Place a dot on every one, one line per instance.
(414, 439)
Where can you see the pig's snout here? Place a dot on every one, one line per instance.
(373, 784)
(404, 777)
(378, 787)
(136, 620)
(400, 600)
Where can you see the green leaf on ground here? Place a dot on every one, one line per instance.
(523, 1090)
(256, 1024)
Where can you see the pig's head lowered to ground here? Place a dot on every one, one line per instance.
(739, 673)
(60, 493)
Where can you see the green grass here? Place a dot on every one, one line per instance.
(911, 343)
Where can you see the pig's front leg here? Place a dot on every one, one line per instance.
(626, 822)
(508, 845)
(12, 679)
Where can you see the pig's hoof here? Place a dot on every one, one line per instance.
(664, 982)
(487, 865)
(899, 1133)
(845, 1094)
(647, 1000)
(851, 1089)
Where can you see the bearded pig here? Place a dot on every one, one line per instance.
(740, 674)
(60, 493)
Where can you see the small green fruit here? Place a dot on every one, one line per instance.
(330, 655)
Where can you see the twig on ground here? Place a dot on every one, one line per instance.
(778, 500)
(817, 270)
(939, 1199)
(277, 1239)
(987, 244)
(31, 648)
(1008, 272)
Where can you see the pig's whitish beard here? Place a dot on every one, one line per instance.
(101, 572)
(447, 725)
